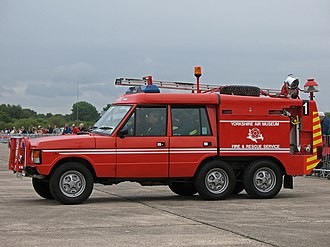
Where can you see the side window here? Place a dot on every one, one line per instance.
(147, 121)
(129, 127)
(205, 124)
(189, 121)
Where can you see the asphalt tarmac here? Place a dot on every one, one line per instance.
(131, 215)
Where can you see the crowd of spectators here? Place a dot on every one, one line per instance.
(45, 130)
(73, 129)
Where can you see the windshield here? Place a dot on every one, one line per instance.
(111, 118)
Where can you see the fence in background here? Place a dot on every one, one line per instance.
(323, 168)
(5, 137)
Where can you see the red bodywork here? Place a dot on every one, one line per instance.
(243, 128)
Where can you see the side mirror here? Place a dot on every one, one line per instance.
(123, 133)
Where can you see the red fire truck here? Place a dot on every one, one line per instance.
(215, 141)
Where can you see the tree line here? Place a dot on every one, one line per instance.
(16, 116)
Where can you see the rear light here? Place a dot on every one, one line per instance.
(36, 156)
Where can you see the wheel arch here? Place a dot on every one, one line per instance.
(205, 161)
(241, 162)
(275, 161)
(80, 160)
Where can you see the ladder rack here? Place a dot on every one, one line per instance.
(184, 85)
(164, 84)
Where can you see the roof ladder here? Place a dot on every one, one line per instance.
(164, 84)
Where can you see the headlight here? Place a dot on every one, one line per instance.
(36, 156)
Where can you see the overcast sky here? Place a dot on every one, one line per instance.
(48, 48)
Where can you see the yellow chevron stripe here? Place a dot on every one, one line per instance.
(311, 158)
(318, 141)
(316, 126)
(316, 134)
(316, 119)
(311, 166)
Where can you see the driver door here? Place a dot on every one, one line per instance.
(142, 153)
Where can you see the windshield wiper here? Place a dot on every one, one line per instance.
(105, 128)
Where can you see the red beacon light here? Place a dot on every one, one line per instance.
(148, 79)
(311, 87)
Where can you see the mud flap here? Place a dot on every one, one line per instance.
(288, 182)
(319, 152)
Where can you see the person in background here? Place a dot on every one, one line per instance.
(50, 129)
(74, 129)
(81, 127)
(40, 130)
(325, 124)
(56, 130)
(23, 130)
(66, 130)
(13, 131)
(35, 130)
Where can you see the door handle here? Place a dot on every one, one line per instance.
(207, 144)
(160, 144)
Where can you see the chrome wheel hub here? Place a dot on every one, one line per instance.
(264, 179)
(216, 181)
(72, 184)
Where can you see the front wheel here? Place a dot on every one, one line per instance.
(71, 183)
(215, 180)
(41, 187)
(262, 179)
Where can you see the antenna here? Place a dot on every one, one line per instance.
(77, 103)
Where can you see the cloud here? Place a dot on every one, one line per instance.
(70, 89)
(78, 72)
(51, 89)
(44, 57)
(5, 90)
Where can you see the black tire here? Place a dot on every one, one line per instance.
(262, 179)
(240, 90)
(71, 183)
(183, 189)
(41, 187)
(239, 187)
(215, 180)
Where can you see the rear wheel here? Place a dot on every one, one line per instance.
(71, 183)
(263, 179)
(41, 187)
(183, 189)
(215, 180)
